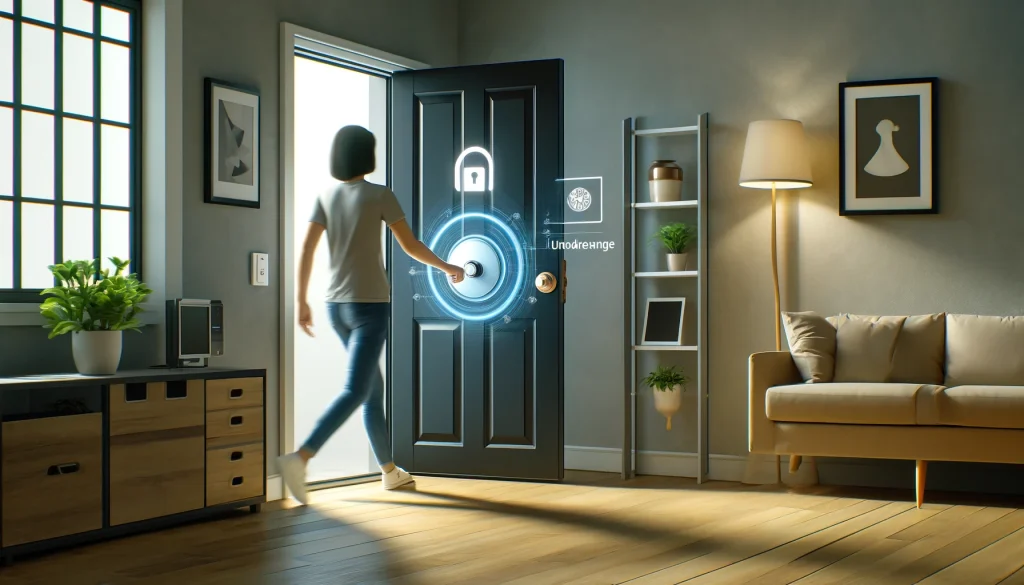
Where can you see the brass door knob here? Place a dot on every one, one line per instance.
(546, 282)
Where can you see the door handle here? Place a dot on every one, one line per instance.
(546, 282)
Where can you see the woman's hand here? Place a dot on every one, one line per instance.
(455, 273)
(306, 318)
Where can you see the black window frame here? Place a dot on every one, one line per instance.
(134, 125)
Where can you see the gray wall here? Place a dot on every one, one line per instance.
(238, 41)
(667, 61)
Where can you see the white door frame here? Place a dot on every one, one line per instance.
(293, 37)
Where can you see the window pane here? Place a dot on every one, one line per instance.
(114, 240)
(6, 60)
(36, 66)
(77, 75)
(78, 157)
(36, 155)
(38, 9)
(115, 175)
(116, 24)
(77, 233)
(115, 82)
(6, 151)
(36, 245)
(7, 6)
(6, 244)
(78, 14)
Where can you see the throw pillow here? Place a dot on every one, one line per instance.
(812, 343)
(919, 357)
(865, 346)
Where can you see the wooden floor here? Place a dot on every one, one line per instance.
(591, 529)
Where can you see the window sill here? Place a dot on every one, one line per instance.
(27, 315)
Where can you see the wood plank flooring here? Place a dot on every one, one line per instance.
(592, 529)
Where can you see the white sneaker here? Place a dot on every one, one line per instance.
(293, 471)
(396, 478)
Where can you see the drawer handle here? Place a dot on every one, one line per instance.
(63, 469)
(136, 393)
(176, 392)
(235, 394)
(236, 455)
(237, 481)
(236, 420)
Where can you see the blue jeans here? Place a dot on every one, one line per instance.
(363, 328)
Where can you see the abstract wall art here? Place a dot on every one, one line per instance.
(232, 145)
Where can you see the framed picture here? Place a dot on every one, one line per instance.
(232, 145)
(663, 321)
(887, 147)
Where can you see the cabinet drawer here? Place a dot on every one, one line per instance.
(156, 406)
(234, 473)
(156, 474)
(234, 393)
(52, 477)
(235, 423)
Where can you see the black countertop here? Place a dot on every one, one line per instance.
(128, 377)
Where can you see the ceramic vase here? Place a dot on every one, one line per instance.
(667, 402)
(676, 262)
(96, 353)
(665, 178)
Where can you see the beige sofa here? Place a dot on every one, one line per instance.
(942, 388)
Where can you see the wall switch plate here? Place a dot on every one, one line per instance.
(258, 270)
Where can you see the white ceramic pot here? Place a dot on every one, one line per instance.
(97, 353)
(667, 402)
(666, 190)
(676, 262)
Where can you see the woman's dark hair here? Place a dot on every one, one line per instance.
(352, 153)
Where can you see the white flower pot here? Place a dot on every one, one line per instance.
(97, 353)
(666, 190)
(676, 262)
(667, 402)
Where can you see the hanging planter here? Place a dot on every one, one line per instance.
(668, 386)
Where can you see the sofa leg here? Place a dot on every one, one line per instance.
(778, 469)
(794, 463)
(922, 471)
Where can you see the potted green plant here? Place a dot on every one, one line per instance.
(668, 386)
(95, 306)
(676, 237)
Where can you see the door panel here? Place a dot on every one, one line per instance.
(477, 367)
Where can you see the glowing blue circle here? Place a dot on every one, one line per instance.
(520, 263)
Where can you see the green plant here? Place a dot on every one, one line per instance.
(675, 237)
(88, 299)
(665, 378)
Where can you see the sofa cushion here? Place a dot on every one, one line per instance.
(920, 352)
(812, 343)
(852, 403)
(990, 407)
(984, 350)
(864, 347)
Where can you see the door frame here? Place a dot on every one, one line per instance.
(293, 37)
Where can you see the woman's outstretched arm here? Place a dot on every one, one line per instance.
(417, 250)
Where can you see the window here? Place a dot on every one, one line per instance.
(69, 142)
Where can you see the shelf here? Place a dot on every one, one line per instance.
(679, 131)
(677, 274)
(665, 347)
(693, 204)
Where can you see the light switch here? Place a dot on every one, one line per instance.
(258, 271)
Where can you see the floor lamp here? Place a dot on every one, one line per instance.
(776, 157)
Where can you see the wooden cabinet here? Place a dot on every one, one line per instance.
(52, 477)
(234, 473)
(234, 440)
(157, 450)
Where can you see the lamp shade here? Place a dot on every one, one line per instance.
(776, 152)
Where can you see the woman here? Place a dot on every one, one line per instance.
(358, 299)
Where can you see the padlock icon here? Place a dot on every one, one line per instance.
(474, 179)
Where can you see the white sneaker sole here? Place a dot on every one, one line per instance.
(400, 484)
(292, 482)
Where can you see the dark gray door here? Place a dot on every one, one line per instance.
(476, 368)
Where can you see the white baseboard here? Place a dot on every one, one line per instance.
(275, 488)
(668, 463)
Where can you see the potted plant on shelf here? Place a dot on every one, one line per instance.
(95, 307)
(676, 237)
(668, 386)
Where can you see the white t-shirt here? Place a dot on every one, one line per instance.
(352, 214)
